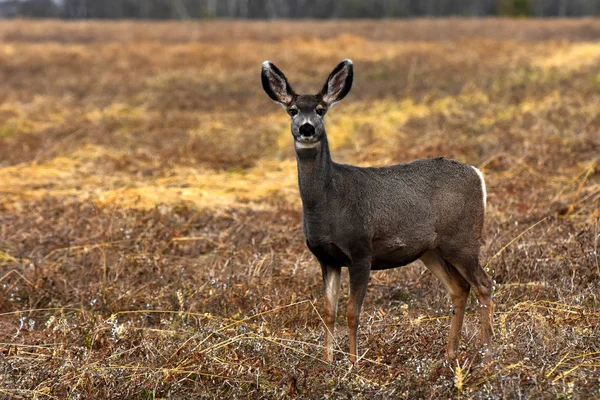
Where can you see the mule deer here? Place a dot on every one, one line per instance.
(378, 218)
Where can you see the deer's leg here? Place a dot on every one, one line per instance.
(359, 280)
(481, 283)
(458, 288)
(331, 282)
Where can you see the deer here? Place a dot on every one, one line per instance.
(376, 218)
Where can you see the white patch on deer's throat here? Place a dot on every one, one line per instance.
(483, 189)
(300, 145)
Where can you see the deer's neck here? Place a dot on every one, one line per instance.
(315, 176)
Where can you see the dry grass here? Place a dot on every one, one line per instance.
(150, 240)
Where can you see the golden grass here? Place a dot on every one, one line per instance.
(150, 239)
(570, 57)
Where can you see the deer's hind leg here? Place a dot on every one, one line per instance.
(458, 288)
(481, 283)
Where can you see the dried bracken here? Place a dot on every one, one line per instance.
(150, 239)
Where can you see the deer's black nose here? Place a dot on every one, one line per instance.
(307, 130)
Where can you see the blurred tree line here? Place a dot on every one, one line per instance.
(270, 9)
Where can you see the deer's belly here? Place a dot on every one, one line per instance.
(387, 263)
(386, 257)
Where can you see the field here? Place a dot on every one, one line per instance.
(150, 223)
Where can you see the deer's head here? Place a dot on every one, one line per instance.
(307, 110)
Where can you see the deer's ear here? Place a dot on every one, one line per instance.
(339, 83)
(276, 84)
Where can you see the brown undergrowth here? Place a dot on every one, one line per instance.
(150, 239)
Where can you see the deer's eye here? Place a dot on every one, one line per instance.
(293, 112)
(320, 111)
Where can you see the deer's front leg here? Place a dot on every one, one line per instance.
(359, 280)
(331, 282)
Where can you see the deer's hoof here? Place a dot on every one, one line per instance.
(451, 357)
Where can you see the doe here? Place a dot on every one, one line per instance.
(378, 218)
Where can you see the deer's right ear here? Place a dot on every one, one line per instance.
(276, 84)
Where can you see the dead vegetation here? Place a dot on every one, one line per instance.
(150, 240)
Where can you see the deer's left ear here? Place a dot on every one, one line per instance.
(339, 83)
